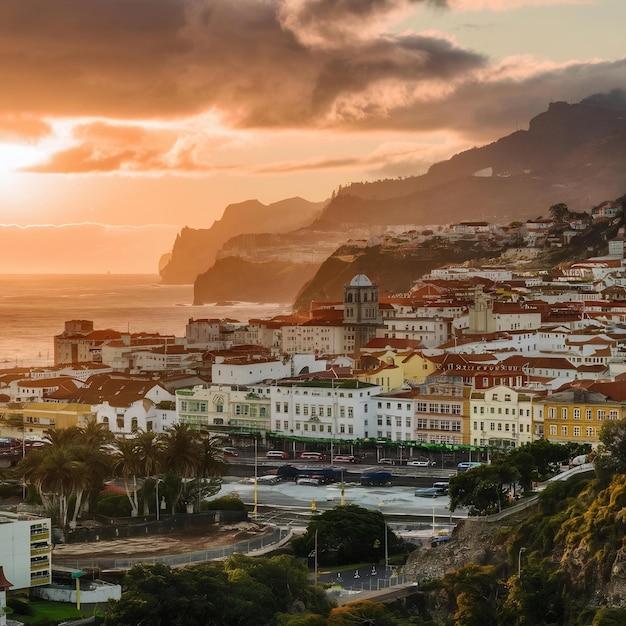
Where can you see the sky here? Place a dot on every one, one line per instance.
(122, 121)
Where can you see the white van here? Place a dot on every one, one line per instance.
(276, 454)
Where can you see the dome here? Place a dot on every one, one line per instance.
(360, 280)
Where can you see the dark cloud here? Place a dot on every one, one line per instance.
(134, 59)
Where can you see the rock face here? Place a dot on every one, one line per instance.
(195, 250)
(233, 278)
(571, 154)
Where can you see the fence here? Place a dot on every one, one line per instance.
(188, 558)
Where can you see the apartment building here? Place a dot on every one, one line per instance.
(501, 417)
(576, 415)
(26, 549)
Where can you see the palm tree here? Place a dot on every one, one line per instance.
(127, 465)
(91, 446)
(148, 450)
(181, 455)
(56, 474)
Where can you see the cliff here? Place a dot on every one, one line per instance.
(195, 250)
(572, 153)
(233, 278)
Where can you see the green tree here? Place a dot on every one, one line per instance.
(482, 489)
(348, 534)
(127, 466)
(180, 457)
(477, 593)
(611, 457)
(559, 212)
(361, 612)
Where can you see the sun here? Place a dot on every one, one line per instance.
(14, 157)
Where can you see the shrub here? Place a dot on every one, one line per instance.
(113, 505)
(226, 503)
(19, 605)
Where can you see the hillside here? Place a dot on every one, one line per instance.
(233, 278)
(572, 153)
(569, 548)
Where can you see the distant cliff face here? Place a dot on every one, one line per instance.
(572, 154)
(195, 250)
(575, 154)
(233, 278)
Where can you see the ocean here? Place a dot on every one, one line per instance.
(34, 308)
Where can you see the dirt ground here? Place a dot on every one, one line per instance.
(159, 545)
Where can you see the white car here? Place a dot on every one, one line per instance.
(420, 463)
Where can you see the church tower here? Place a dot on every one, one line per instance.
(361, 313)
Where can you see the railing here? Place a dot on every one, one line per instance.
(188, 558)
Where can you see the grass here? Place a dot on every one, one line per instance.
(45, 610)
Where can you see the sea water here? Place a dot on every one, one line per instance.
(34, 308)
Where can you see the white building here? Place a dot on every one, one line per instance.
(26, 549)
(431, 332)
(501, 417)
(238, 372)
(335, 410)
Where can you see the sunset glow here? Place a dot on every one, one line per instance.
(119, 114)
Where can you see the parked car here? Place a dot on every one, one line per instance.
(420, 463)
(436, 541)
(268, 479)
(276, 454)
(346, 458)
(393, 461)
(377, 478)
(443, 487)
(307, 480)
(312, 456)
(465, 465)
(230, 451)
(428, 492)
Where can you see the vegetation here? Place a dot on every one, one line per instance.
(242, 590)
(69, 471)
(348, 534)
(490, 488)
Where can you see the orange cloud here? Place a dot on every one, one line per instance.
(22, 128)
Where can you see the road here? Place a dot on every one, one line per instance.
(287, 502)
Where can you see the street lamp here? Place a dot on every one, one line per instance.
(519, 562)
(256, 480)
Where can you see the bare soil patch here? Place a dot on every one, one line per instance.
(179, 542)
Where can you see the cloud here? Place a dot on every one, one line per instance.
(151, 78)
(507, 5)
(22, 128)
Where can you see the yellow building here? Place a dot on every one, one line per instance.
(576, 415)
(38, 417)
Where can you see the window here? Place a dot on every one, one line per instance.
(563, 431)
(553, 431)
(576, 413)
(564, 413)
(589, 431)
(552, 412)
(588, 414)
(576, 431)
(601, 414)
(120, 423)
(278, 407)
(262, 412)
(613, 414)
(350, 412)
(297, 409)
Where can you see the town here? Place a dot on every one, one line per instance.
(474, 356)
